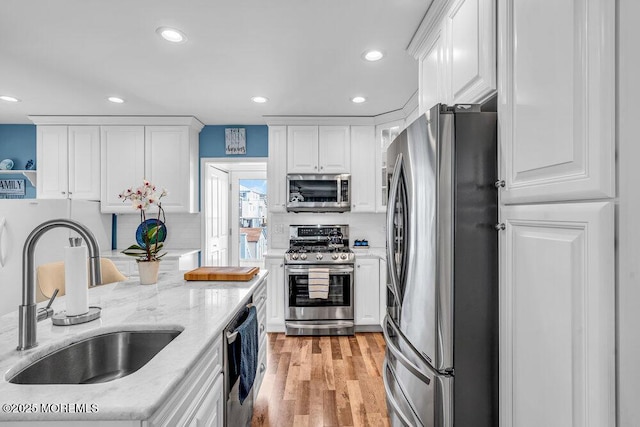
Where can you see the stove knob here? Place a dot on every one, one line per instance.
(334, 256)
(343, 256)
(318, 256)
(294, 256)
(303, 256)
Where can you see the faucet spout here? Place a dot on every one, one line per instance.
(28, 309)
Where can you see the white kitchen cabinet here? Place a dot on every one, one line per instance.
(363, 169)
(557, 105)
(275, 293)
(432, 72)
(385, 134)
(277, 169)
(471, 50)
(198, 400)
(68, 162)
(165, 155)
(557, 315)
(122, 160)
(318, 149)
(367, 291)
(455, 46)
(171, 162)
(260, 301)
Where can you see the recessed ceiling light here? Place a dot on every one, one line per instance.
(9, 98)
(116, 100)
(172, 35)
(259, 99)
(373, 55)
(358, 99)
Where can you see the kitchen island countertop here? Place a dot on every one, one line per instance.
(200, 309)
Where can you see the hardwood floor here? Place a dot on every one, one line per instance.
(323, 381)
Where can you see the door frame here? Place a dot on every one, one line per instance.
(227, 164)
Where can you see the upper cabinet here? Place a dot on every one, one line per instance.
(277, 169)
(165, 155)
(556, 104)
(385, 134)
(318, 149)
(363, 170)
(122, 158)
(456, 51)
(471, 50)
(68, 162)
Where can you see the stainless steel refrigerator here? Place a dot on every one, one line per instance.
(441, 328)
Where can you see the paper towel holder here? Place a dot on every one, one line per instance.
(61, 319)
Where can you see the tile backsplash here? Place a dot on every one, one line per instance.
(183, 230)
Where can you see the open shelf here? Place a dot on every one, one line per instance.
(30, 174)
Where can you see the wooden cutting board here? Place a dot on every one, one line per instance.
(241, 274)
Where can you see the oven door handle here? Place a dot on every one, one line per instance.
(332, 270)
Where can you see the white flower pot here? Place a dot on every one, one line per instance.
(148, 272)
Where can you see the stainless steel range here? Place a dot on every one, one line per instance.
(321, 252)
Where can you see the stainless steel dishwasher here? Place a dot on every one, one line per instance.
(236, 414)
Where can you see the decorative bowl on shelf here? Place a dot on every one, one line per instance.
(6, 164)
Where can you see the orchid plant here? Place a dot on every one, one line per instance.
(143, 198)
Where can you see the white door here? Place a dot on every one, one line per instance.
(216, 228)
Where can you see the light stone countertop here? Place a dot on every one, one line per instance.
(171, 254)
(201, 309)
(369, 252)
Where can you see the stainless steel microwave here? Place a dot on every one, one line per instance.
(318, 193)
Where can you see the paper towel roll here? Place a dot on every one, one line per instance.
(75, 280)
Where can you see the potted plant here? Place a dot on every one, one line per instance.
(151, 232)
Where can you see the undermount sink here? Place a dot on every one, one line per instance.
(97, 359)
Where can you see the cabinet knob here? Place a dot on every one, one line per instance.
(321, 167)
(358, 265)
(261, 327)
(315, 167)
(262, 368)
(499, 183)
(500, 226)
(281, 265)
(63, 192)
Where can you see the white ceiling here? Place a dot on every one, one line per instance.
(66, 57)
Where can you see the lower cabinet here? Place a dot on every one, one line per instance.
(199, 399)
(260, 301)
(367, 291)
(557, 315)
(275, 293)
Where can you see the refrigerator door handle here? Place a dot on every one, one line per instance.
(395, 351)
(393, 193)
(393, 405)
(3, 222)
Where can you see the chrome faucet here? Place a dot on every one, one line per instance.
(28, 310)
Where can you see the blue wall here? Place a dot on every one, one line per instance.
(18, 143)
(212, 141)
